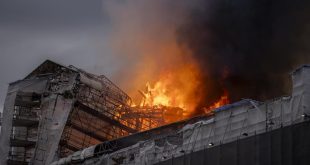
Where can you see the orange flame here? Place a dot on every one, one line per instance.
(174, 89)
(156, 95)
(162, 94)
(222, 101)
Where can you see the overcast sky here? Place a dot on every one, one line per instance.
(69, 32)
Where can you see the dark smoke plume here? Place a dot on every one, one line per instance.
(248, 47)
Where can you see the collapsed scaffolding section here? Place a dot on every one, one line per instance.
(102, 112)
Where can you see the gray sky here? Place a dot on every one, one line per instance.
(66, 31)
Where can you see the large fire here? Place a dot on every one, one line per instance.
(164, 93)
(147, 48)
(177, 88)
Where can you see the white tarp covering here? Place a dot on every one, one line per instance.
(239, 120)
(90, 82)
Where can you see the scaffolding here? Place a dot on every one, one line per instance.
(59, 110)
(23, 136)
(110, 111)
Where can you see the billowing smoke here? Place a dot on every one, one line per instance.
(248, 47)
(244, 47)
(143, 36)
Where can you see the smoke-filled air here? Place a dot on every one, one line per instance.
(199, 55)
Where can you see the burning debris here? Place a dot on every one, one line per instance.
(172, 101)
(58, 101)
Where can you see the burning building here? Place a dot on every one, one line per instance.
(58, 110)
(244, 132)
(63, 115)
